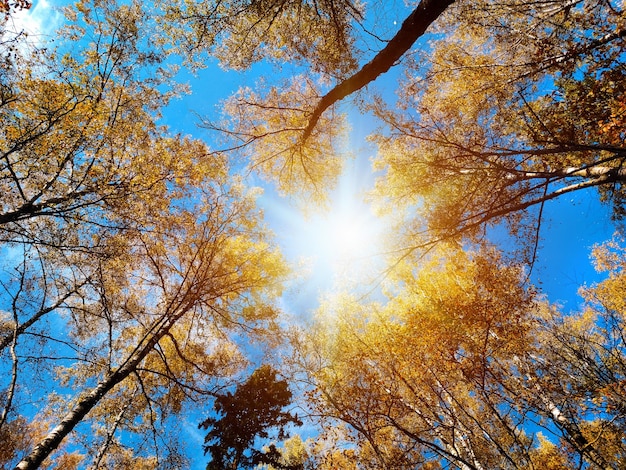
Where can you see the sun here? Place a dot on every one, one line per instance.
(340, 245)
(344, 242)
(342, 235)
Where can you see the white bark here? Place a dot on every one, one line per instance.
(569, 427)
(42, 450)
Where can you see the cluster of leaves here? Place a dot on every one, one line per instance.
(248, 414)
(516, 103)
(465, 364)
(7, 7)
(315, 33)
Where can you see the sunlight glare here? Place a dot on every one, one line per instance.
(341, 235)
(39, 22)
(344, 242)
(340, 245)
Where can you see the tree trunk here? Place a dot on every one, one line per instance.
(89, 401)
(569, 427)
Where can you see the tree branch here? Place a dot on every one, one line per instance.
(413, 27)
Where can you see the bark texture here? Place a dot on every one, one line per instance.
(42, 450)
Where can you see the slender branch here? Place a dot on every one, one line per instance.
(111, 433)
(6, 340)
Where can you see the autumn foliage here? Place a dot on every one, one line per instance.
(141, 289)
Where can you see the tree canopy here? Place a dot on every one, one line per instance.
(465, 366)
(253, 411)
(140, 284)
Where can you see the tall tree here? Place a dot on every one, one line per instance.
(286, 130)
(156, 332)
(82, 159)
(464, 365)
(132, 258)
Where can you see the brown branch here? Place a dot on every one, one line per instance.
(413, 27)
(22, 327)
(619, 33)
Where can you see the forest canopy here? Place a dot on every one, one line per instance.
(142, 291)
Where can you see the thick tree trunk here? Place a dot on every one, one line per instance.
(413, 27)
(54, 437)
(89, 401)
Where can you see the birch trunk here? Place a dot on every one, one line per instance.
(569, 427)
(42, 450)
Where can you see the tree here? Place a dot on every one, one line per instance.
(324, 452)
(146, 337)
(292, 455)
(413, 377)
(286, 131)
(239, 34)
(253, 411)
(84, 166)
(132, 258)
(581, 367)
(464, 365)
